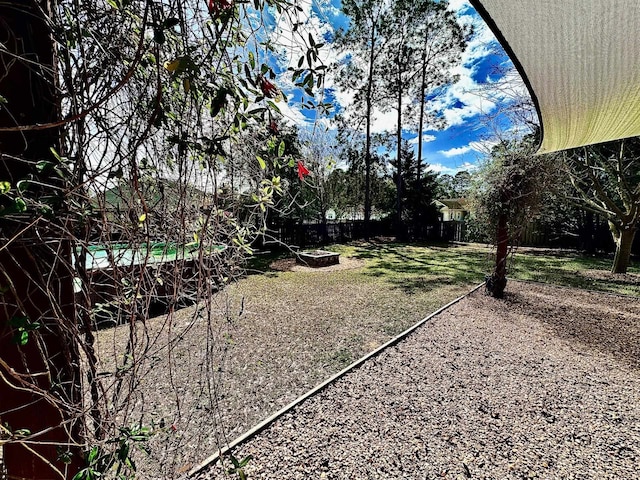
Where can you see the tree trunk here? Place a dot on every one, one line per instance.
(423, 92)
(623, 238)
(367, 154)
(587, 232)
(39, 391)
(497, 282)
(399, 224)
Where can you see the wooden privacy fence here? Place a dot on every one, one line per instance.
(316, 234)
(308, 235)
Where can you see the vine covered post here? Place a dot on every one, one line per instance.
(38, 374)
(497, 281)
(509, 192)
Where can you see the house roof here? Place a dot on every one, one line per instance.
(454, 203)
(580, 60)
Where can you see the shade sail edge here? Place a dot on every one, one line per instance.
(580, 61)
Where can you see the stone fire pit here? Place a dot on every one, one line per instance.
(318, 258)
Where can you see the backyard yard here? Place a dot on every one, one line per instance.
(285, 328)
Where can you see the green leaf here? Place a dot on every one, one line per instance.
(20, 205)
(85, 474)
(257, 111)
(43, 165)
(123, 452)
(261, 161)
(55, 154)
(93, 455)
(252, 60)
(281, 148)
(22, 186)
(21, 337)
(273, 106)
(5, 187)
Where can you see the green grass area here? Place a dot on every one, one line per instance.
(575, 270)
(416, 269)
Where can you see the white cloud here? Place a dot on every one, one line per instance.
(426, 138)
(484, 146)
(481, 146)
(292, 114)
(448, 170)
(468, 99)
(461, 102)
(292, 45)
(454, 152)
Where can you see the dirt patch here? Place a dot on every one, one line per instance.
(290, 265)
(542, 384)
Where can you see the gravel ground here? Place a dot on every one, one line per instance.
(203, 376)
(543, 384)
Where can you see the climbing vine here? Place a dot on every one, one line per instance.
(129, 193)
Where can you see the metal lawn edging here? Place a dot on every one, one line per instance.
(265, 423)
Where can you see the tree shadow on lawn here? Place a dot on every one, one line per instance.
(260, 264)
(580, 272)
(610, 326)
(419, 267)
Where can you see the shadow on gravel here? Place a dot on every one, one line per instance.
(603, 323)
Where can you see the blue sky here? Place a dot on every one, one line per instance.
(465, 104)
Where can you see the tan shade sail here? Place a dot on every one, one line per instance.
(581, 62)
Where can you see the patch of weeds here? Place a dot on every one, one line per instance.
(342, 357)
(238, 467)
(393, 329)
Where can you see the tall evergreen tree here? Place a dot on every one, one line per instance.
(365, 43)
(441, 41)
(418, 186)
(425, 42)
